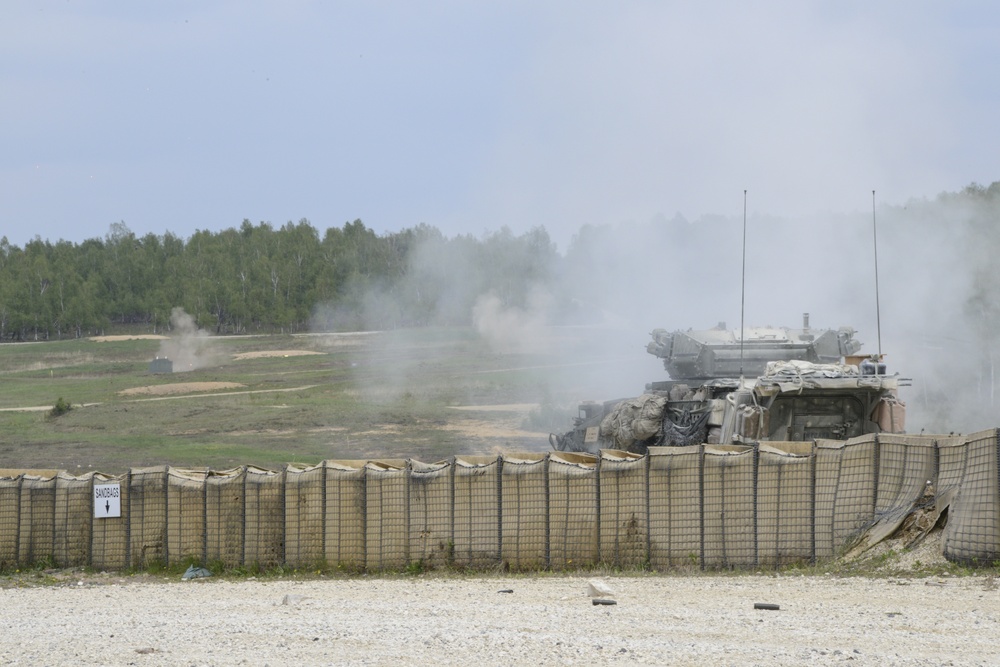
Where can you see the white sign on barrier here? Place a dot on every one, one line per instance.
(107, 501)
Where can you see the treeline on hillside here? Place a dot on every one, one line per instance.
(261, 279)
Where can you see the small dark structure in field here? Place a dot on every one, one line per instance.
(161, 365)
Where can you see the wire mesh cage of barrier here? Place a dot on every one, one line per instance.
(708, 506)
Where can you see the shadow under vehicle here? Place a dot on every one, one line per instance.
(732, 387)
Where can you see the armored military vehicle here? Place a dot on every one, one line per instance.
(732, 387)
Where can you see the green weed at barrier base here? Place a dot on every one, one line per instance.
(216, 567)
(154, 566)
(344, 568)
(35, 566)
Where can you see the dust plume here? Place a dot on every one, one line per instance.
(514, 330)
(589, 309)
(188, 347)
(935, 316)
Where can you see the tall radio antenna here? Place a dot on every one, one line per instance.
(743, 281)
(878, 314)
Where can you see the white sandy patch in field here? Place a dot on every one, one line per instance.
(179, 388)
(110, 339)
(273, 353)
(343, 339)
(495, 427)
(483, 429)
(472, 428)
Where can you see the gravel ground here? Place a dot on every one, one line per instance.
(108, 619)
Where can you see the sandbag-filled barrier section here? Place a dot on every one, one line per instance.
(706, 506)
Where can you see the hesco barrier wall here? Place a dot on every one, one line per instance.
(708, 506)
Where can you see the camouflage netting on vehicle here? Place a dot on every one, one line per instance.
(684, 428)
(634, 419)
(709, 506)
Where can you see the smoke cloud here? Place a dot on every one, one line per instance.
(591, 312)
(514, 330)
(189, 348)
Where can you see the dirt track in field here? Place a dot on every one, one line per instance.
(263, 354)
(111, 339)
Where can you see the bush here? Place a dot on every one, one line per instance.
(60, 408)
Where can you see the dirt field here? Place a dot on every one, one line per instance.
(543, 620)
(263, 354)
(179, 388)
(425, 395)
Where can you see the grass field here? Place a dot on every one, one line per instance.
(270, 400)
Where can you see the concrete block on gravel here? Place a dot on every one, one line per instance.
(599, 589)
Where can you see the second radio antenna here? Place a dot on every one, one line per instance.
(743, 281)
(878, 314)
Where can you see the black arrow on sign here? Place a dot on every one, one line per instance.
(107, 507)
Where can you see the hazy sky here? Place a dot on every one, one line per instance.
(470, 116)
